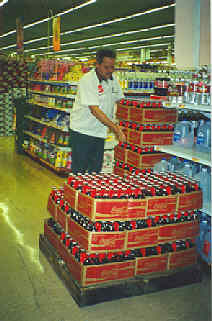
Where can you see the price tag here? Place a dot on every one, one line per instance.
(181, 106)
(194, 159)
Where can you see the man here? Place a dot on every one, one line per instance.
(92, 114)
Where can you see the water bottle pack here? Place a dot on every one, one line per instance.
(193, 134)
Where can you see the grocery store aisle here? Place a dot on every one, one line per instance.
(30, 290)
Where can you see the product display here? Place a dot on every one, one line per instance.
(99, 220)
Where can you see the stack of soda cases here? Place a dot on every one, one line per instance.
(108, 228)
(145, 125)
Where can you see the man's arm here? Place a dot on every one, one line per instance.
(100, 115)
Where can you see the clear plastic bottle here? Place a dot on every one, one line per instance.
(205, 185)
(187, 170)
(184, 134)
(162, 166)
(200, 144)
(207, 144)
(174, 164)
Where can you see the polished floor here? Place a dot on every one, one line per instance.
(29, 288)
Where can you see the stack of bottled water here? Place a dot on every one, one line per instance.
(193, 134)
(194, 170)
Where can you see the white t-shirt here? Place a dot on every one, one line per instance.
(92, 92)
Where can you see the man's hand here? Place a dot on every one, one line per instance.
(100, 115)
(119, 134)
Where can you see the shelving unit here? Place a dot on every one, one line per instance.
(38, 142)
(49, 124)
(49, 94)
(30, 101)
(190, 154)
(204, 108)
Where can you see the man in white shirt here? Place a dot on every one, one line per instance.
(92, 114)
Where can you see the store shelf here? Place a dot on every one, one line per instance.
(205, 108)
(67, 110)
(55, 82)
(42, 93)
(58, 170)
(49, 124)
(43, 140)
(190, 154)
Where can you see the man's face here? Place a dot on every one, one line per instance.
(106, 68)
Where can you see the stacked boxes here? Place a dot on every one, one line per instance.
(145, 124)
(109, 228)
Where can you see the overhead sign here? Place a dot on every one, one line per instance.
(56, 34)
(20, 36)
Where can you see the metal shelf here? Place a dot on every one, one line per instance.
(55, 82)
(49, 124)
(190, 154)
(205, 108)
(43, 93)
(43, 140)
(67, 110)
(43, 161)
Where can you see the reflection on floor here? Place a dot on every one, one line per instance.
(31, 291)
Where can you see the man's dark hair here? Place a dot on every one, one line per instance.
(101, 53)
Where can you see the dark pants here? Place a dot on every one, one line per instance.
(87, 153)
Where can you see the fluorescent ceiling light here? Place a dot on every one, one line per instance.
(3, 2)
(109, 45)
(104, 37)
(49, 18)
(96, 25)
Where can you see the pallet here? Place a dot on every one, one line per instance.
(116, 290)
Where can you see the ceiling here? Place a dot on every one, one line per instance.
(82, 25)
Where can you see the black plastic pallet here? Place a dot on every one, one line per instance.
(116, 290)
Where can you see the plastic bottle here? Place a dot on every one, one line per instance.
(205, 185)
(162, 166)
(207, 144)
(187, 170)
(174, 164)
(177, 134)
(187, 138)
(200, 144)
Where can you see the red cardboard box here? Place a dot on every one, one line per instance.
(182, 259)
(146, 115)
(71, 195)
(144, 161)
(52, 207)
(120, 154)
(190, 201)
(97, 242)
(120, 171)
(178, 231)
(111, 209)
(142, 238)
(160, 205)
(62, 218)
(149, 138)
(96, 274)
(152, 264)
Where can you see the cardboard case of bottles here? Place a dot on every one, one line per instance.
(88, 275)
(98, 242)
(138, 160)
(148, 138)
(146, 115)
(128, 209)
(165, 262)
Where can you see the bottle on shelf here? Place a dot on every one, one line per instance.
(161, 166)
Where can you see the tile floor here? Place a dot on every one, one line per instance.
(30, 289)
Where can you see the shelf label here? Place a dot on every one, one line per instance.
(194, 159)
(181, 106)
